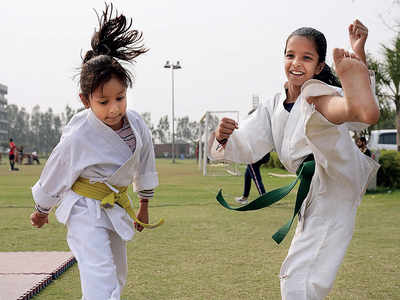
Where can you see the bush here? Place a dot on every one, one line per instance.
(274, 162)
(389, 172)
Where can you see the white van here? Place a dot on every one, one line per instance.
(384, 139)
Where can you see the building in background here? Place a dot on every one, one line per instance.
(182, 150)
(3, 119)
(255, 101)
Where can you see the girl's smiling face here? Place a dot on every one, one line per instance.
(108, 103)
(301, 60)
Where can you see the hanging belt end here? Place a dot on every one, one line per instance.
(279, 236)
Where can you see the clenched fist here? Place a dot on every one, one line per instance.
(38, 219)
(225, 129)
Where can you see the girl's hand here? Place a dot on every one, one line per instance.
(142, 215)
(358, 34)
(225, 129)
(38, 219)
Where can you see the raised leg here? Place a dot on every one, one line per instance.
(354, 76)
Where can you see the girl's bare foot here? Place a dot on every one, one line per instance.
(354, 77)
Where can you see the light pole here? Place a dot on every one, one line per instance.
(173, 67)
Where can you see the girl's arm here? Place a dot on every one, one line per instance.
(247, 142)
(57, 176)
(142, 214)
(358, 103)
(145, 174)
(145, 178)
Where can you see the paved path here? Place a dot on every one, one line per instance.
(24, 274)
(282, 175)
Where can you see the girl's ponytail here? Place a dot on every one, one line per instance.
(114, 41)
(327, 76)
(88, 56)
(116, 38)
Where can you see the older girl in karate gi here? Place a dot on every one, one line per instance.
(107, 145)
(312, 116)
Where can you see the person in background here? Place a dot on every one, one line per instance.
(253, 172)
(362, 145)
(20, 155)
(11, 154)
(35, 157)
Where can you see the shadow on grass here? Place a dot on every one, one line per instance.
(283, 204)
(381, 190)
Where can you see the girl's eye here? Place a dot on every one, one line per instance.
(289, 55)
(307, 57)
(103, 103)
(120, 98)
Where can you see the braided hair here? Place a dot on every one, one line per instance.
(112, 42)
(326, 75)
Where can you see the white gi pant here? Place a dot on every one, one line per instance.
(318, 247)
(100, 252)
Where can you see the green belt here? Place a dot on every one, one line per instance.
(304, 173)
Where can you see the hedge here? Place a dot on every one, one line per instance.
(389, 172)
(274, 162)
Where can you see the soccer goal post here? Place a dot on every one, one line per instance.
(208, 123)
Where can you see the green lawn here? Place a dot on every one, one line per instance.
(204, 251)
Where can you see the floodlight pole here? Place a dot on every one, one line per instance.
(173, 67)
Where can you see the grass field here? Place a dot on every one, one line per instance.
(206, 252)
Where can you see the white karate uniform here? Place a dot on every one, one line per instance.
(327, 216)
(96, 236)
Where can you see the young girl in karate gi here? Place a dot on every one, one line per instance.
(311, 116)
(105, 146)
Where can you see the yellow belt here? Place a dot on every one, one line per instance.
(100, 191)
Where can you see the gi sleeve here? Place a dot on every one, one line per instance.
(145, 176)
(338, 159)
(249, 143)
(57, 176)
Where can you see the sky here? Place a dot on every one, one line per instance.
(229, 50)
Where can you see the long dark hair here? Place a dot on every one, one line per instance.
(114, 40)
(326, 75)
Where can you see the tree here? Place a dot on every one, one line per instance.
(389, 79)
(49, 133)
(12, 112)
(35, 127)
(56, 131)
(186, 130)
(162, 131)
(68, 114)
(18, 126)
(36, 131)
(194, 129)
(387, 118)
(213, 121)
(182, 129)
(147, 119)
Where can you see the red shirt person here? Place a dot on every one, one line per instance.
(11, 154)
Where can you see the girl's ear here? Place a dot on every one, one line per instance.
(319, 68)
(84, 100)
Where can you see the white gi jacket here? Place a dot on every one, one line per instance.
(90, 149)
(341, 175)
